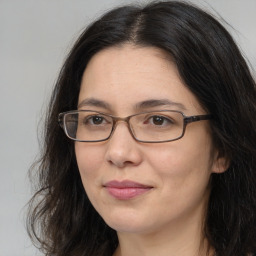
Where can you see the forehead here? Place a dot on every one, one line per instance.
(128, 57)
(123, 76)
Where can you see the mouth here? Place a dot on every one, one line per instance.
(126, 189)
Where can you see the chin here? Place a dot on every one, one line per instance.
(128, 227)
(121, 221)
(129, 224)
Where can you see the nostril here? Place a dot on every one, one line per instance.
(122, 149)
(119, 163)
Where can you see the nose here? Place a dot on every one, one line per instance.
(123, 149)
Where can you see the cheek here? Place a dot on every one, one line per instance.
(89, 159)
(182, 163)
(184, 175)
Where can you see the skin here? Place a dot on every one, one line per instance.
(168, 219)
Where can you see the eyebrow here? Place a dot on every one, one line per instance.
(151, 103)
(157, 103)
(94, 103)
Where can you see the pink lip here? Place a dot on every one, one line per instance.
(126, 189)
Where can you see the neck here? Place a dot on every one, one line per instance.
(151, 245)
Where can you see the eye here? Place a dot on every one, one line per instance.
(158, 120)
(97, 119)
(94, 120)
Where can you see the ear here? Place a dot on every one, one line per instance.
(220, 163)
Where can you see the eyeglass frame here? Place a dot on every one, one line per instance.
(186, 121)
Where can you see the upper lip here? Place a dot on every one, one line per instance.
(125, 184)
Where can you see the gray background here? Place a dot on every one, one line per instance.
(35, 35)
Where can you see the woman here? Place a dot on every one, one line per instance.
(154, 152)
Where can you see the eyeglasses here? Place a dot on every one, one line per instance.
(149, 127)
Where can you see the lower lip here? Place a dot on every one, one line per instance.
(126, 193)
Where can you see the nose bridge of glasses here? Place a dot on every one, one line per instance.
(117, 120)
(125, 120)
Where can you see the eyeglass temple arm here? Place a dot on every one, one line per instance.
(190, 119)
(60, 120)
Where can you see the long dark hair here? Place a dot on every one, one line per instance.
(61, 217)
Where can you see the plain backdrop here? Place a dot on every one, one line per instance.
(35, 36)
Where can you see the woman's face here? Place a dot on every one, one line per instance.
(173, 177)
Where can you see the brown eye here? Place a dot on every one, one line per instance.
(97, 120)
(158, 120)
(94, 120)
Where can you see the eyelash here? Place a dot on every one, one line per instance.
(163, 119)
